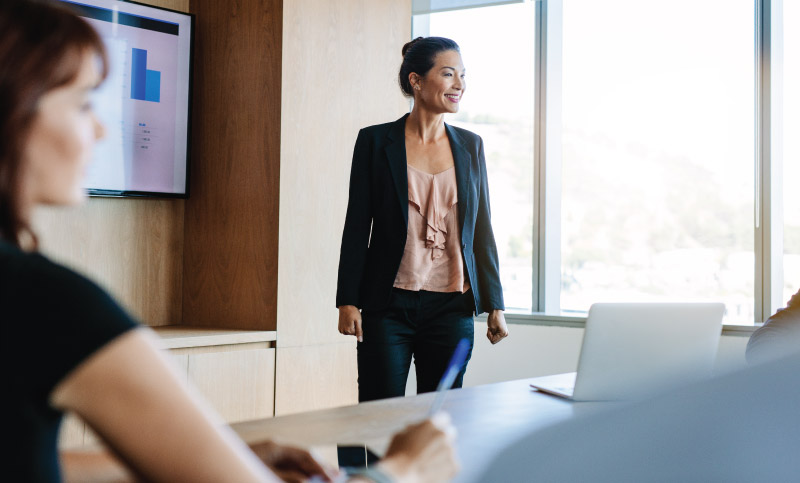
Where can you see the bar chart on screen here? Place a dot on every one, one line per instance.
(145, 83)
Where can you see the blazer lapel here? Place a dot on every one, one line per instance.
(396, 153)
(462, 160)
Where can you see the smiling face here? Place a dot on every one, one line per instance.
(60, 141)
(442, 88)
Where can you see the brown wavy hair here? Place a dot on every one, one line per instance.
(42, 47)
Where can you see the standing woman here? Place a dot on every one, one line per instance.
(418, 254)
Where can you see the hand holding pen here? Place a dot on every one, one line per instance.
(422, 452)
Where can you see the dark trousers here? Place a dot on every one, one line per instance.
(424, 325)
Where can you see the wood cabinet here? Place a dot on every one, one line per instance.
(234, 370)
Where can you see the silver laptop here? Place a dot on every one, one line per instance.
(631, 350)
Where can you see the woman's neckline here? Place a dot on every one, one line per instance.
(431, 174)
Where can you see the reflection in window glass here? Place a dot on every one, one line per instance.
(791, 148)
(658, 120)
(497, 46)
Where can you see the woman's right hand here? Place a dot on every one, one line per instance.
(423, 452)
(350, 321)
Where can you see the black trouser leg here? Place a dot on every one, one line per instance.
(445, 320)
(384, 357)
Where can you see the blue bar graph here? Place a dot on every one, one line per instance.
(138, 74)
(145, 83)
(153, 90)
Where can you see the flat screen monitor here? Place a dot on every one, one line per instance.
(144, 103)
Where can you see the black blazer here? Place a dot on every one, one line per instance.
(369, 262)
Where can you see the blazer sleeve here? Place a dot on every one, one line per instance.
(485, 248)
(357, 225)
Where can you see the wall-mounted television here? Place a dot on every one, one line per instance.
(144, 103)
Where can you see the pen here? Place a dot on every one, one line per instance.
(449, 376)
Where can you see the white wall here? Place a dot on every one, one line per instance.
(534, 350)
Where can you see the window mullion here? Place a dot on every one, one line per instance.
(547, 158)
(768, 182)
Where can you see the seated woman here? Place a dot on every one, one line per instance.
(67, 346)
(779, 336)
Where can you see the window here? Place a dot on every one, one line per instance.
(657, 164)
(639, 174)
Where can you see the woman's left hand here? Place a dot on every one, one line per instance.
(497, 329)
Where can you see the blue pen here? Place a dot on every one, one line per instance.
(449, 376)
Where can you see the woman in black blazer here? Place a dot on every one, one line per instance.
(388, 295)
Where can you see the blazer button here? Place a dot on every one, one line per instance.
(463, 246)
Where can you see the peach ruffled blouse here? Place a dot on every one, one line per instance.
(432, 259)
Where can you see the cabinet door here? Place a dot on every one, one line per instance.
(240, 384)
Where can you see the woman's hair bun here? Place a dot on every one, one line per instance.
(408, 45)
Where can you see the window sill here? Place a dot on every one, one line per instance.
(578, 321)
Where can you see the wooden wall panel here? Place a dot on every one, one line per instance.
(340, 75)
(179, 5)
(132, 247)
(231, 221)
(315, 377)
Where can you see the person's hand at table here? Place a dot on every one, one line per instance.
(423, 452)
(350, 321)
(292, 464)
(497, 329)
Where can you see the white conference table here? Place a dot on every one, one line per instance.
(487, 418)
